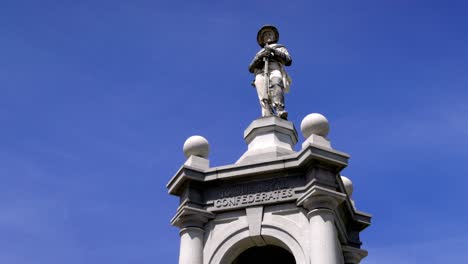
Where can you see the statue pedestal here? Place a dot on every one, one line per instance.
(268, 138)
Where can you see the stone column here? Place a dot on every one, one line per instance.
(191, 245)
(324, 245)
(191, 222)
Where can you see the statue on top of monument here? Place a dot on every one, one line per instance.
(271, 80)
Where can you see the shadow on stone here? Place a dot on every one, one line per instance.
(267, 254)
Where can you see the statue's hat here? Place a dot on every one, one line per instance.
(263, 29)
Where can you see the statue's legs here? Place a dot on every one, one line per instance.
(263, 95)
(277, 97)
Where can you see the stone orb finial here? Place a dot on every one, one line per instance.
(348, 185)
(315, 124)
(196, 146)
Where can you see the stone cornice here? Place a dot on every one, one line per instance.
(353, 255)
(320, 198)
(184, 174)
(362, 220)
(333, 159)
(188, 216)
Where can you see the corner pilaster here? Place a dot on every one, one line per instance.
(321, 204)
(191, 222)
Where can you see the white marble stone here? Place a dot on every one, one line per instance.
(317, 140)
(191, 245)
(348, 184)
(196, 146)
(324, 245)
(281, 225)
(254, 218)
(272, 196)
(315, 128)
(197, 162)
(315, 124)
(268, 138)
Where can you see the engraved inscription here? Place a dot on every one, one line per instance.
(254, 198)
(255, 187)
(239, 195)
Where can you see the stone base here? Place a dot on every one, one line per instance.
(317, 140)
(268, 138)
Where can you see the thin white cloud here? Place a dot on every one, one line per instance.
(444, 125)
(449, 250)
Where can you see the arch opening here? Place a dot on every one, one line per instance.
(265, 254)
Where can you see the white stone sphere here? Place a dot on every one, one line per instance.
(315, 124)
(348, 185)
(196, 146)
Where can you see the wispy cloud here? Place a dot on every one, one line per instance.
(443, 125)
(449, 250)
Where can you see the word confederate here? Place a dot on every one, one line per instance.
(256, 198)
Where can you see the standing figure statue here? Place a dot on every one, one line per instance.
(271, 80)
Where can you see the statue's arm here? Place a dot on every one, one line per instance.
(283, 55)
(256, 62)
(253, 65)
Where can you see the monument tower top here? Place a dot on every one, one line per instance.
(274, 202)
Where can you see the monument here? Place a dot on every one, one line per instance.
(275, 204)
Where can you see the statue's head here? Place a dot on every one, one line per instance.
(268, 34)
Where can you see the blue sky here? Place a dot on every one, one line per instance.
(98, 97)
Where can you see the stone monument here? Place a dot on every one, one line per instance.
(275, 204)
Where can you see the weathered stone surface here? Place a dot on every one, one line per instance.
(317, 140)
(268, 138)
(315, 124)
(196, 146)
(271, 196)
(296, 201)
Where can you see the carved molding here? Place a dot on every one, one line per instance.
(320, 198)
(188, 216)
(353, 255)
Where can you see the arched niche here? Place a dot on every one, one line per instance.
(239, 242)
(265, 254)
